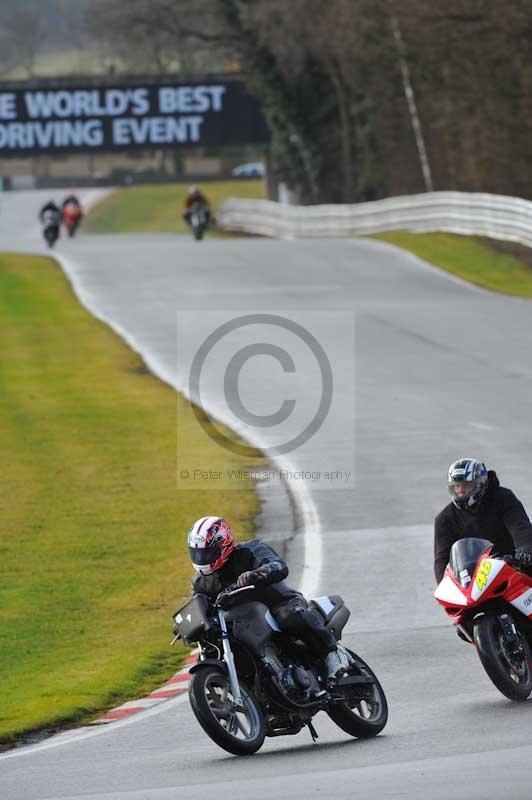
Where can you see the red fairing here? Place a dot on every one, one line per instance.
(492, 579)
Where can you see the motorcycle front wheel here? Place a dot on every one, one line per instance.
(50, 238)
(510, 672)
(240, 732)
(364, 717)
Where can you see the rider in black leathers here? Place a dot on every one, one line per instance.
(53, 211)
(490, 512)
(195, 195)
(71, 200)
(51, 217)
(255, 563)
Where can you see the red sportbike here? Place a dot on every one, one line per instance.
(72, 218)
(490, 602)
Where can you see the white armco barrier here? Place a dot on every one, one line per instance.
(492, 215)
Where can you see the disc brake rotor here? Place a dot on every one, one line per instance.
(516, 662)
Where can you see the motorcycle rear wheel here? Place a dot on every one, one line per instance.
(512, 677)
(241, 733)
(366, 717)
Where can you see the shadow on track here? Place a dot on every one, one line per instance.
(309, 747)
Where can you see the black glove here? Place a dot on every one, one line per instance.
(223, 600)
(523, 557)
(249, 579)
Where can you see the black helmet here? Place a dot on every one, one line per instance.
(472, 478)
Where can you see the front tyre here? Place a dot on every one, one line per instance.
(50, 238)
(239, 732)
(509, 669)
(366, 715)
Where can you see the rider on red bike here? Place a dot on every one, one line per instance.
(483, 509)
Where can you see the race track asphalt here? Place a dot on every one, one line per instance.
(441, 370)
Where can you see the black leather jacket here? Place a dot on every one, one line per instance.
(70, 200)
(245, 557)
(50, 214)
(498, 516)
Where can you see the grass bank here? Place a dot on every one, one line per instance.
(92, 547)
(157, 208)
(499, 266)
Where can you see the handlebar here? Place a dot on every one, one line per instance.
(231, 593)
(218, 603)
(514, 562)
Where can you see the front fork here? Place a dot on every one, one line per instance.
(512, 643)
(345, 658)
(230, 661)
(511, 637)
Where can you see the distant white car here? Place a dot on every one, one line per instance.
(253, 170)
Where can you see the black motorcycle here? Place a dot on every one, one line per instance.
(253, 680)
(198, 220)
(50, 230)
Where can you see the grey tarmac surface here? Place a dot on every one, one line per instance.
(442, 370)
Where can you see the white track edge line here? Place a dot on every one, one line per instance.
(72, 737)
(308, 516)
(305, 507)
(427, 266)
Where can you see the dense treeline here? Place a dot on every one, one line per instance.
(331, 80)
(30, 27)
(334, 78)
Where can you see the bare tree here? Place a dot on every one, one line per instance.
(157, 35)
(331, 80)
(313, 65)
(21, 39)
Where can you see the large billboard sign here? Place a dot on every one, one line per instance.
(123, 117)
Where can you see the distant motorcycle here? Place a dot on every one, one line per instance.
(51, 221)
(490, 602)
(253, 680)
(198, 216)
(71, 218)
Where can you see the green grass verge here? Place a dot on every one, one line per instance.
(499, 266)
(92, 540)
(158, 208)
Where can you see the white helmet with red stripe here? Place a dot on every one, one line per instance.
(210, 543)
